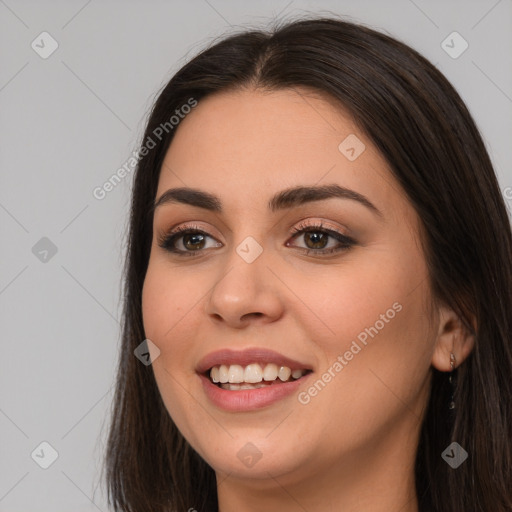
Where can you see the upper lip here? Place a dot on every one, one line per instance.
(246, 357)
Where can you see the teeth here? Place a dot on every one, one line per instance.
(235, 373)
(252, 374)
(236, 387)
(297, 374)
(284, 373)
(270, 372)
(223, 373)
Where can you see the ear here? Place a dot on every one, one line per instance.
(452, 337)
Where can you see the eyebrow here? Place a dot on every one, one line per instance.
(285, 199)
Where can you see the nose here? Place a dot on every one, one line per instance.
(244, 293)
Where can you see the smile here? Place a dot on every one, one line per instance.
(254, 376)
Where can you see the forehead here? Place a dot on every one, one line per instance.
(258, 126)
(246, 145)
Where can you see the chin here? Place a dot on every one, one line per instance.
(254, 456)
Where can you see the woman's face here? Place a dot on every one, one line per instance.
(352, 312)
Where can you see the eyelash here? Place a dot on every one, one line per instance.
(167, 241)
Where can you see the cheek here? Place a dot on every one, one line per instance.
(166, 301)
(164, 310)
(343, 301)
(376, 321)
(374, 375)
(170, 299)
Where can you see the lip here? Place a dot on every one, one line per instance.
(246, 357)
(249, 399)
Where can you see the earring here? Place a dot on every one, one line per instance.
(450, 379)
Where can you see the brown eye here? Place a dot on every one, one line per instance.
(191, 239)
(316, 238)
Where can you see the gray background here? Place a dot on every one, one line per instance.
(68, 122)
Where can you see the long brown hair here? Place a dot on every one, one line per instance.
(421, 126)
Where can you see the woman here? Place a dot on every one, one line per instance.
(319, 270)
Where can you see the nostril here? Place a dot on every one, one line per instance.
(249, 315)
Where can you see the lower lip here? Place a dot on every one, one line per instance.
(249, 399)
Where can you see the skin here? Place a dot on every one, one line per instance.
(352, 447)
